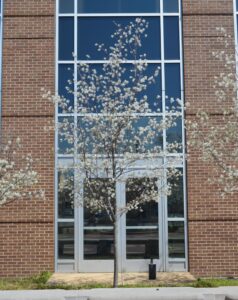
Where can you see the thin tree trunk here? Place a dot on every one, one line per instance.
(115, 276)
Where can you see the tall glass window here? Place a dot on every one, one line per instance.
(81, 24)
(236, 21)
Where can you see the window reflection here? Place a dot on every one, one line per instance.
(66, 240)
(66, 194)
(65, 135)
(66, 6)
(118, 6)
(171, 6)
(175, 199)
(172, 85)
(137, 189)
(94, 103)
(66, 87)
(99, 30)
(66, 38)
(98, 244)
(176, 244)
(103, 191)
(142, 243)
(174, 137)
(171, 38)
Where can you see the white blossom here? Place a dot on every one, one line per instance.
(17, 177)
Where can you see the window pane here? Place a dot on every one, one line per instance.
(174, 135)
(94, 190)
(171, 6)
(66, 194)
(175, 199)
(66, 38)
(94, 101)
(118, 6)
(66, 87)
(142, 243)
(138, 189)
(65, 135)
(176, 240)
(99, 30)
(98, 244)
(66, 240)
(150, 139)
(172, 85)
(236, 5)
(66, 6)
(171, 37)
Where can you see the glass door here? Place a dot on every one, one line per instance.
(96, 229)
(142, 233)
(139, 232)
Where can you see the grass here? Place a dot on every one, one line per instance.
(40, 282)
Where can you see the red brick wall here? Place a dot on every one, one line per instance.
(27, 226)
(212, 221)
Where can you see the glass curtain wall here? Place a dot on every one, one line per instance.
(81, 24)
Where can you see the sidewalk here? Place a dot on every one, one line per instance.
(181, 293)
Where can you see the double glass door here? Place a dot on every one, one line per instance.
(140, 232)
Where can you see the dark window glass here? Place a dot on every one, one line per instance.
(176, 240)
(142, 243)
(175, 199)
(98, 244)
(66, 6)
(99, 30)
(137, 189)
(237, 24)
(171, 37)
(174, 135)
(95, 189)
(66, 38)
(66, 87)
(65, 135)
(66, 240)
(171, 6)
(118, 6)
(66, 194)
(236, 5)
(172, 85)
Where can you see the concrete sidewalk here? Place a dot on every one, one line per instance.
(221, 293)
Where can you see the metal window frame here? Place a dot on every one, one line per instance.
(61, 157)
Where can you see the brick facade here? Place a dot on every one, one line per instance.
(212, 221)
(27, 227)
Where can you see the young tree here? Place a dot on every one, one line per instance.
(16, 175)
(119, 127)
(218, 141)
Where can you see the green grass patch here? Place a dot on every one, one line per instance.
(40, 282)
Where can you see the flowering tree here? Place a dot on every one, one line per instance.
(218, 141)
(16, 175)
(118, 129)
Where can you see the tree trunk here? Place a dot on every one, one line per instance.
(115, 275)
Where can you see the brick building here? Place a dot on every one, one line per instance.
(199, 234)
